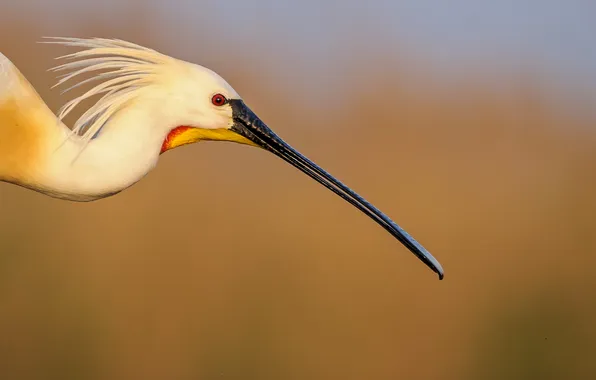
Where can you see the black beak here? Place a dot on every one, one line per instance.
(247, 124)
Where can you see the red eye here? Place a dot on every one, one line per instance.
(219, 100)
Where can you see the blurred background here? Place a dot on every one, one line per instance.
(470, 123)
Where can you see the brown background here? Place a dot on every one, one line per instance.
(226, 263)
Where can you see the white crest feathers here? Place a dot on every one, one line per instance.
(127, 68)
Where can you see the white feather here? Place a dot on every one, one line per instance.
(133, 68)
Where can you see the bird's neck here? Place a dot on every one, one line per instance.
(41, 156)
(36, 153)
(125, 150)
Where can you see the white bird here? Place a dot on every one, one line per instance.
(149, 103)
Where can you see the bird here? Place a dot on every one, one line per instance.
(149, 103)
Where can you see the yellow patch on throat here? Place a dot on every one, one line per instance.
(187, 135)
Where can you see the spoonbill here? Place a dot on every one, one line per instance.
(150, 103)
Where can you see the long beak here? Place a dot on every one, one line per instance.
(247, 124)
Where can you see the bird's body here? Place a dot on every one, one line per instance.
(149, 103)
(38, 151)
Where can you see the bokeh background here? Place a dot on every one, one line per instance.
(470, 123)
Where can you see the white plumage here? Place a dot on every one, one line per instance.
(131, 70)
(143, 96)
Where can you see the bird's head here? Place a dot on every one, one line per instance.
(201, 105)
(206, 107)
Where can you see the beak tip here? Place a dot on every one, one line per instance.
(434, 265)
(439, 269)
